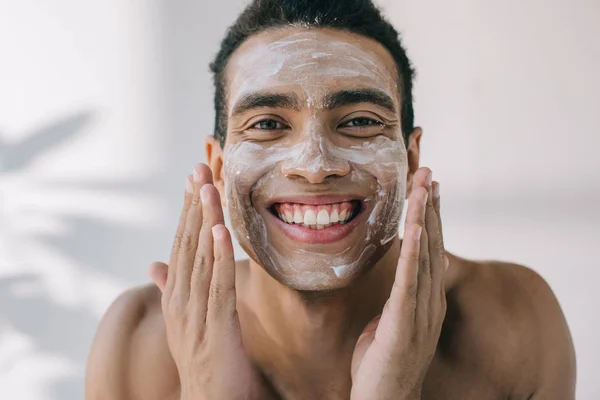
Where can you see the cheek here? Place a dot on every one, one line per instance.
(383, 159)
(391, 178)
(245, 164)
(239, 178)
(389, 167)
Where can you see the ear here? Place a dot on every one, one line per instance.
(412, 153)
(214, 159)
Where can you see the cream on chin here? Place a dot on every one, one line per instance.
(255, 168)
(306, 63)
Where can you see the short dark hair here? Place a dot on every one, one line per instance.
(356, 16)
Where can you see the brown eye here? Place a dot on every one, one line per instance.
(361, 122)
(268, 125)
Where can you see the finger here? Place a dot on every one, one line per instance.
(158, 271)
(436, 253)
(403, 298)
(222, 295)
(413, 213)
(189, 238)
(435, 239)
(212, 214)
(187, 201)
(402, 303)
(420, 178)
(425, 260)
(436, 206)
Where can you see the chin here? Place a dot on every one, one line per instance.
(312, 272)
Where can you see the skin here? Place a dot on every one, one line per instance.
(411, 321)
(316, 152)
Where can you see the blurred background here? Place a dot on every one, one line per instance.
(104, 106)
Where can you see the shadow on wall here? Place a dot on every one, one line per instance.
(18, 156)
(93, 247)
(88, 248)
(53, 330)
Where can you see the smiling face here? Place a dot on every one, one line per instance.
(314, 163)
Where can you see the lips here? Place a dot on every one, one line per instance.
(317, 221)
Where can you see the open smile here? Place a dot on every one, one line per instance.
(317, 220)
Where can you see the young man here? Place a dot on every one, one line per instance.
(314, 155)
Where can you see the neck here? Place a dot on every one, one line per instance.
(294, 331)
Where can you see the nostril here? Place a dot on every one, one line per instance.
(316, 171)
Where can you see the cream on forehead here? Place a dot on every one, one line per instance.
(308, 59)
(313, 63)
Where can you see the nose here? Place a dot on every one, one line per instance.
(315, 162)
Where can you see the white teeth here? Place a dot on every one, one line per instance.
(322, 217)
(298, 218)
(334, 217)
(310, 218)
(343, 215)
(288, 217)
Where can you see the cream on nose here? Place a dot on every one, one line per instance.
(316, 161)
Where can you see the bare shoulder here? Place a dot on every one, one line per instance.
(509, 314)
(129, 358)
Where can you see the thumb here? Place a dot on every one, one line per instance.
(158, 271)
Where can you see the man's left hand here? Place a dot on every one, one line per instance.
(393, 354)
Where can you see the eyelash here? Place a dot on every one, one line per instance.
(255, 126)
(370, 122)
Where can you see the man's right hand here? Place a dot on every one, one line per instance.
(199, 301)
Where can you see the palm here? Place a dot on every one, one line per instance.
(233, 355)
(370, 358)
(237, 363)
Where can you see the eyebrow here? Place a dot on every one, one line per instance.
(348, 97)
(266, 99)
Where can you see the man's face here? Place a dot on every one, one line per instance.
(314, 163)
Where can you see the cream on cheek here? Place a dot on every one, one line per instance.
(306, 61)
(251, 168)
(385, 159)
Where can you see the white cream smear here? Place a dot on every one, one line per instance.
(254, 170)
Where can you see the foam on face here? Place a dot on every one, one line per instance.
(305, 59)
(256, 171)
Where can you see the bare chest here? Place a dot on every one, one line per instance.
(444, 381)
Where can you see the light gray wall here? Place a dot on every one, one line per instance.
(104, 107)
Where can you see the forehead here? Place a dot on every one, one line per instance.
(309, 62)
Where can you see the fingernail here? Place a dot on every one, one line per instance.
(196, 173)
(189, 185)
(204, 193)
(418, 233)
(218, 232)
(436, 190)
(429, 178)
